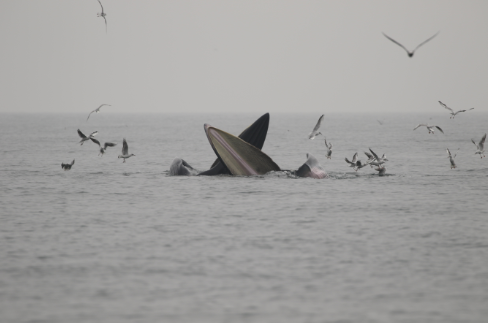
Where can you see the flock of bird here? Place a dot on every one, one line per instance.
(102, 148)
(374, 160)
(355, 163)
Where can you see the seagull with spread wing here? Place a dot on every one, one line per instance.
(429, 127)
(67, 166)
(453, 114)
(480, 146)
(85, 138)
(410, 53)
(328, 154)
(97, 110)
(315, 132)
(451, 158)
(105, 146)
(125, 151)
(102, 14)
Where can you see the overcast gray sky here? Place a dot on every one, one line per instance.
(242, 56)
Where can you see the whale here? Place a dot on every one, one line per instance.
(242, 155)
(311, 168)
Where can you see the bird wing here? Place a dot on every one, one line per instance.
(109, 144)
(474, 143)
(90, 114)
(482, 142)
(368, 155)
(105, 23)
(459, 111)
(95, 141)
(420, 125)
(448, 152)
(100, 5)
(94, 133)
(396, 43)
(125, 148)
(439, 129)
(317, 126)
(81, 134)
(347, 160)
(375, 156)
(426, 41)
(445, 106)
(73, 162)
(355, 158)
(470, 109)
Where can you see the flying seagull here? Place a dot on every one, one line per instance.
(451, 158)
(410, 54)
(377, 161)
(85, 138)
(105, 146)
(67, 166)
(315, 132)
(480, 146)
(102, 14)
(429, 127)
(125, 151)
(328, 154)
(453, 114)
(97, 110)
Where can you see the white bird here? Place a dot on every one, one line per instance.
(410, 54)
(453, 114)
(451, 158)
(429, 127)
(328, 154)
(370, 158)
(125, 151)
(85, 138)
(97, 110)
(377, 160)
(105, 146)
(102, 14)
(67, 166)
(315, 132)
(480, 147)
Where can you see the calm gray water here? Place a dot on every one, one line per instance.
(115, 242)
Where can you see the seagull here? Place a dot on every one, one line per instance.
(453, 114)
(355, 163)
(451, 158)
(315, 130)
(370, 158)
(125, 151)
(85, 138)
(67, 166)
(97, 110)
(377, 160)
(480, 146)
(380, 122)
(429, 127)
(105, 146)
(102, 14)
(410, 54)
(328, 154)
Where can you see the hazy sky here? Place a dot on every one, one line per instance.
(242, 56)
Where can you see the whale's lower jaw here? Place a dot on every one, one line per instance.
(238, 156)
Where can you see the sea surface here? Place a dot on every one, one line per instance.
(110, 241)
